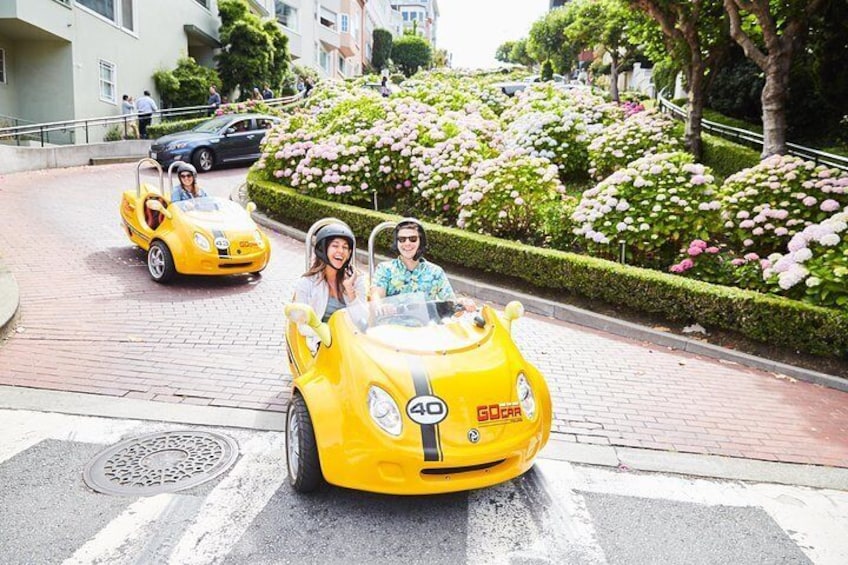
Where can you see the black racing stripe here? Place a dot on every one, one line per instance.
(430, 439)
(222, 253)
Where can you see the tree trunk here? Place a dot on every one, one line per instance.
(692, 135)
(614, 79)
(774, 95)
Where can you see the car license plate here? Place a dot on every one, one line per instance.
(152, 154)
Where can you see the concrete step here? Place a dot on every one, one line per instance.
(113, 160)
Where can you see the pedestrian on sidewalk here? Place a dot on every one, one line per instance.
(267, 93)
(214, 100)
(128, 111)
(145, 106)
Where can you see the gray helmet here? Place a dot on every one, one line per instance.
(186, 168)
(408, 223)
(328, 233)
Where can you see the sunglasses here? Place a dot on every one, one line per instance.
(405, 238)
(186, 175)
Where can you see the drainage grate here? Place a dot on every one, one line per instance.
(160, 462)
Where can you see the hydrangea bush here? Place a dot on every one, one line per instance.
(764, 206)
(652, 206)
(815, 266)
(640, 134)
(510, 196)
(715, 263)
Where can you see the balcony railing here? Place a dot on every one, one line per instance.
(72, 132)
(755, 139)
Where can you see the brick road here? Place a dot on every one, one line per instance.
(92, 321)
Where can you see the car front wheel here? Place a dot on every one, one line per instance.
(304, 468)
(203, 159)
(160, 262)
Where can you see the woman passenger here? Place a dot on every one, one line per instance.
(188, 187)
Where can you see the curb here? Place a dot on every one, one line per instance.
(601, 322)
(10, 301)
(626, 459)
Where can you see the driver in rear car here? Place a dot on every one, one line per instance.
(410, 272)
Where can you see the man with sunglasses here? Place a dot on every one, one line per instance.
(410, 272)
(188, 188)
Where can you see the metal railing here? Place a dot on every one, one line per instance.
(755, 139)
(71, 132)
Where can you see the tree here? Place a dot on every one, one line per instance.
(547, 39)
(381, 51)
(783, 27)
(441, 58)
(607, 24)
(504, 51)
(696, 34)
(253, 54)
(519, 54)
(410, 53)
(187, 85)
(547, 71)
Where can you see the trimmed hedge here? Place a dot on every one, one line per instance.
(767, 319)
(165, 128)
(726, 157)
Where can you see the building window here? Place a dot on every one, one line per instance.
(2, 66)
(107, 82)
(324, 60)
(342, 67)
(204, 3)
(120, 12)
(345, 23)
(328, 18)
(286, 15)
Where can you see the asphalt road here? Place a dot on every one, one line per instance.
(557, 513)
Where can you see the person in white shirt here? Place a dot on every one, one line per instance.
(145, 106)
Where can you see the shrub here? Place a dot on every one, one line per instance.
(818, 257)
(114, 133)
(771, 320)
(165, 128)
(507, 195)
(639, 135)
(725, 157)
(187, 85)
(652, 206)
(765, 205)
(718, 265)
(557, 136)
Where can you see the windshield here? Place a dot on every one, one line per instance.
(213, 125)
(198, 207)
(410, 322)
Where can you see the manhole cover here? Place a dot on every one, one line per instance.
(160, 462)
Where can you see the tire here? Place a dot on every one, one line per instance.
(160, 263)
(203, 159)
(302, 463)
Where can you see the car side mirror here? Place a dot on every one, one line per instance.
(157, 206)
(512, 312)
(250, 207)
(230, 131)
(299, 314)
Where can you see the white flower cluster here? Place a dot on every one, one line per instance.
(765, 205)
(789, 267)
(641, 134)
(653, 200)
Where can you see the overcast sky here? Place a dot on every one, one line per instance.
(472, 29)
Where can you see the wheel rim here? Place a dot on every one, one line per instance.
(156, 261)
(205, 160)
(293, 443)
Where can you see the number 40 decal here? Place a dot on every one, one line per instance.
(426, 410)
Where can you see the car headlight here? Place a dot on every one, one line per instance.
(201, 241)
(525, 396)
(384, 411)
(177, 145)
(257, 237)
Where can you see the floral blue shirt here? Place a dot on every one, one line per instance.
(395, 278)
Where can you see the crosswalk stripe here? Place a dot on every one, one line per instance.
(233, 505)
(536, 518)
(110, 543)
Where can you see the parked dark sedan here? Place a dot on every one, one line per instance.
(230, 138)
